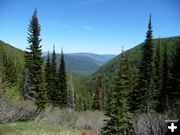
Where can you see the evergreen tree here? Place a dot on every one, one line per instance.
(117, 110)
(62, 93)
(33, 64)
(142, 94)
(98, 103)
(163, 98)
(48, 76)
(174, 93)
(10, 74)
(157, 77)
(71, 93)
(104, 99)
(53, 75)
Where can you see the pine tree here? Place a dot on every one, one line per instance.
(62, 93)
(117, 110)
(142, 94)
(104, 99)
(98, 103)
(163, 98)
(53, 74)
(33, 65)
(71, 93)
(157, 77)
(174, 93)
(48, 76)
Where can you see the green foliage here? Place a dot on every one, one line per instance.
(163, 97)
(48, 77)
(81, 100)
(71, 91)
(79, 66)
(32, 128)
(12, 92)
(33, 64)
(157, 77)
(100, 96)
(62, 93)
(11, 67)
(53, 94)
(108, 71)
(119, 121)
(12, 63)
(143, 93)
(174, 90)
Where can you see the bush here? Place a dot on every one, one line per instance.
(68, 117)
(90, 120)
(57, 116)
(22, 111)
(150, 124)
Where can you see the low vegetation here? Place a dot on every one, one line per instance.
(132, 89)
(33, 128)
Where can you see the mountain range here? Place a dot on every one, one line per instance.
(83, 64)
(86, 67)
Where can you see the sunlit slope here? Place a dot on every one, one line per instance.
(108, 70)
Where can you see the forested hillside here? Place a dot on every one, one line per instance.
(11, 69)
(11, 61)
(15, 64)
(108, 70)
(82, 65)
(122, 96)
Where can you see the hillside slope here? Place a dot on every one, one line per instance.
(11, 62)
(99, 58)
(108, 70)
(83, 64)
(11, 68)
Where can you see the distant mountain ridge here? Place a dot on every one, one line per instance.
(80, 64)
(83, 64)
(102, 58)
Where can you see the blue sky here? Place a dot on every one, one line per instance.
(97, 26)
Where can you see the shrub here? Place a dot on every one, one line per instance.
(150, 124)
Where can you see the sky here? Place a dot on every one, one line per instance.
(96, 26)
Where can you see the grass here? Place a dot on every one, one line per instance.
(32, 128)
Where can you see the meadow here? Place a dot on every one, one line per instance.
(34, 128)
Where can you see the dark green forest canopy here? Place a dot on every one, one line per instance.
(11, 61)
(107, 71)
(17, 57)
(134, 54)
(16, 60)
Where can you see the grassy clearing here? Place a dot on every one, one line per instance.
(32, 128)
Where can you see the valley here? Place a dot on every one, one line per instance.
(95, 67)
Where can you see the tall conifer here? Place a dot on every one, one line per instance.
(62, 93)
(119, 117)
(98, 103)
(163, 98)
(34, 64)
(142, 94)
(53, 74)
(174, 92)
(157, 76)
(48, 76)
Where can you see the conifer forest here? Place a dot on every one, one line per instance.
(54, 92)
